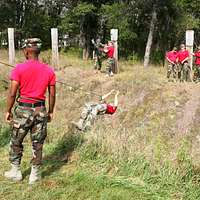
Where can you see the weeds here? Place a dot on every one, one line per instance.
(135, 154)
(4, 135)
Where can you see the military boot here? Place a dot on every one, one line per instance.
(35, 174)
(14, 173)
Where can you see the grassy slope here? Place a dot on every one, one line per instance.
(139, 153)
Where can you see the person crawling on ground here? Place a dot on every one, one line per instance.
(91, 110)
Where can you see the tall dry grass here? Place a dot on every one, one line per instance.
(137, 152)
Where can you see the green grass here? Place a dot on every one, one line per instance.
(134, 155)
(4, 135)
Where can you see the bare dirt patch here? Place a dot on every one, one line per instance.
(187, 116)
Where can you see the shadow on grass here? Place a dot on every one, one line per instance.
(62, 152)
(5, 136)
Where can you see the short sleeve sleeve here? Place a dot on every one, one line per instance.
(15, 74)
(52, 80)
(197, 54)
(111, 109)
(177, 55)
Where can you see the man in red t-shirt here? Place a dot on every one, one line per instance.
(109, 50)
(171, 57)
(31, 79)
(197, 64)
(183, 66)
(91, 110)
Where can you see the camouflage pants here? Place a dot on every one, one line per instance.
(197, 73)
(172, 71)
(90, 112)
(35, 121)
(110, 65)
(184, 72)
(97, 62)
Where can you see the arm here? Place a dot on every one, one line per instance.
(186, 59)
(116, 99)
(106, 49)
(52, 100)
(197, 55)
(11, 99)
(166, 57)
(102, 45)
(93, 55)
(107, 95)
(169, 60)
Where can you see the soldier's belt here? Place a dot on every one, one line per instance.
(32, 105)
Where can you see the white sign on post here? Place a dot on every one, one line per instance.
(189, 37)
(114, 34)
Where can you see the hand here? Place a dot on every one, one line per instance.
(50, 117)
(9, 117)
(117, 93)
(112, 91)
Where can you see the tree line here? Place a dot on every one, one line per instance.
(162, 23)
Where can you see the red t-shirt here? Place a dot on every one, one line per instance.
(172, 56)
(182, 55)
(34, 78)
(197, 60)
(110, 52)
(111, 109)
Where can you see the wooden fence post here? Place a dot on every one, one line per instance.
(11, 46)
(114, 38)
(189, 45)
(54, 42)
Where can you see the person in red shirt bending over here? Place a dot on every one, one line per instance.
(91, 110)
(171, 57)
(109, 50)
(183, 66)
(197, 64)
(30, 79)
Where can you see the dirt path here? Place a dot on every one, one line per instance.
(185, 122)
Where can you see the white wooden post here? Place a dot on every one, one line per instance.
(11, 46)
(54, 42)
(114, 38)
(189, 44)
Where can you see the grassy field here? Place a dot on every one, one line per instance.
(148, 150)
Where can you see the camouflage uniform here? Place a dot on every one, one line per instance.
(35, 121)
(98, 57)
(89, 114)
(196, 73)
(97, 62)
(184, 71)
(172, 69)
(110, 65)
